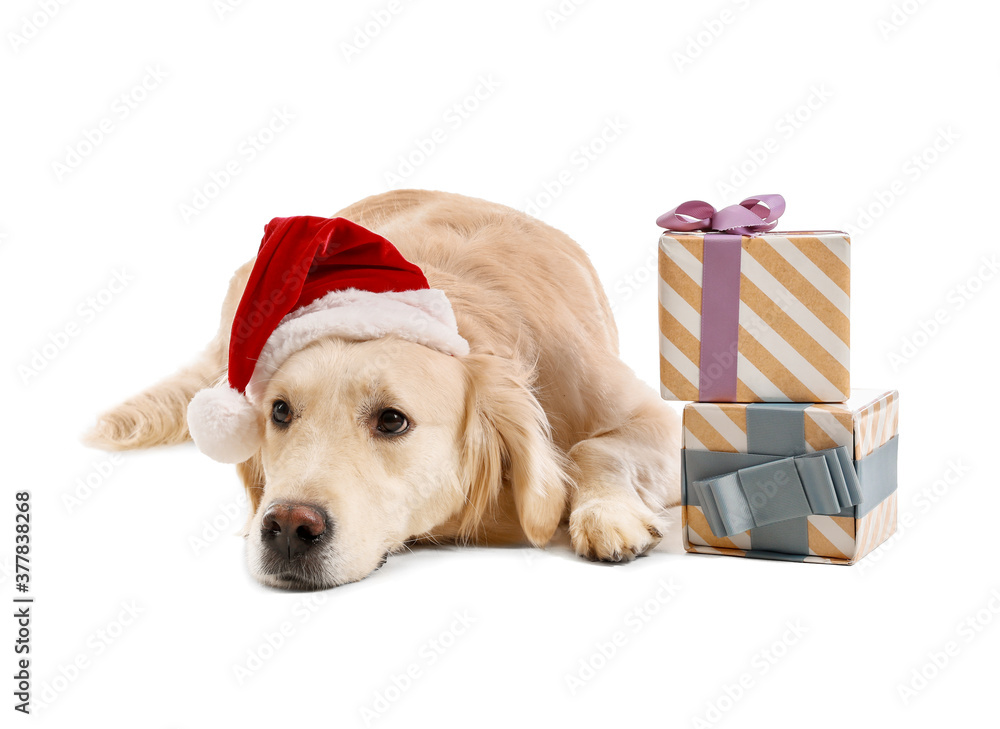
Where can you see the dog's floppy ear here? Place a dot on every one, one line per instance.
(507, 440)
(251, 473)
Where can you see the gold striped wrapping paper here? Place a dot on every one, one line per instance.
(867, 421)
(794, 318)
(832, 539)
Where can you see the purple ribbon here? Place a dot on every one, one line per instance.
(720, 282)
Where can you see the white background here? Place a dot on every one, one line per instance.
(699, 91)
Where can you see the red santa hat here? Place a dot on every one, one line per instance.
(313, 278)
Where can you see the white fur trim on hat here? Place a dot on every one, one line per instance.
(224, 425)
(223, 422)
(423, 316)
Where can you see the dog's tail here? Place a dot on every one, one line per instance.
(157, 416)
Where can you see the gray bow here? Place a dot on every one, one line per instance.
(817, 483)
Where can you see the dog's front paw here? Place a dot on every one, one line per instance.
(610, 530)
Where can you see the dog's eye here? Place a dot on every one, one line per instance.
(281, 413)
(392, 422)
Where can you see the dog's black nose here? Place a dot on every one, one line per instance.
(291, 529)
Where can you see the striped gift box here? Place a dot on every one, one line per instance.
(792, 340)
(716, 434)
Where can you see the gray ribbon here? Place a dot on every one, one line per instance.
(789, 488)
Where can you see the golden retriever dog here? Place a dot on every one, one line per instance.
(541, 424)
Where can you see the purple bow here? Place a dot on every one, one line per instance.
(753, 216)
(720, 281)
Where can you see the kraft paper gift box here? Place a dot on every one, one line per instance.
(800, 482)
(750, 315)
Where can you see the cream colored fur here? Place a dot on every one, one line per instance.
(540, 423)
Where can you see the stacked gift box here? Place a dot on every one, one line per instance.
(781, 459)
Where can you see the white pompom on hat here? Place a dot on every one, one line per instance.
(313, 278)
(224, 425)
